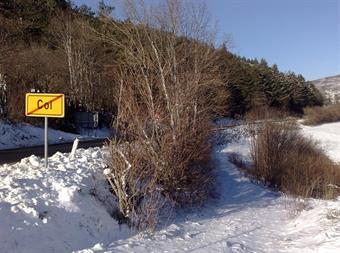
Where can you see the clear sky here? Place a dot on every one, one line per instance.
(298, 35)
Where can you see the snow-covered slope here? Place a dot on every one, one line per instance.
(25, 135)
(67, 208)
(330, 87)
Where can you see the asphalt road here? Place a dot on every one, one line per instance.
(15, 155)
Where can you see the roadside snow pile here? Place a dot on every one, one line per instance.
(64, 208)
(68, 207)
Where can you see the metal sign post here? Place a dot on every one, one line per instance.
(46, 142)
(45, 105)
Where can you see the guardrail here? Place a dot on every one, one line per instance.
(257, 122)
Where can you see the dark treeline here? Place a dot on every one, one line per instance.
(253, 84)
(54, 46)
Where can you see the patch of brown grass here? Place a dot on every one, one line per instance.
(265, 112)
(319, 115)
(285, 159)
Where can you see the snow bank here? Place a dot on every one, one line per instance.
(63, 208)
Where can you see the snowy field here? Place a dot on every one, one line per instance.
(68, 207)
(328, 136)
(25, 135)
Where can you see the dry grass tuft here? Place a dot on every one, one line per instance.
(285, 159)
(319, 115)
(265, 112)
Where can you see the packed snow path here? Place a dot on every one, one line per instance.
(68, 207)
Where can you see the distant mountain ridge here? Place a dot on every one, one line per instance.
(329, 87)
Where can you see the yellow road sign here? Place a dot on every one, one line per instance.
(45, 105)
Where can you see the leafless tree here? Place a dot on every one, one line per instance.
(170, 88)
(84, 54)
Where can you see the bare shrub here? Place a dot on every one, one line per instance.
(170, 88)
(134, 184)
(285, 159)
(319, 115)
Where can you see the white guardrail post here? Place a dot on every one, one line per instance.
(74, 148)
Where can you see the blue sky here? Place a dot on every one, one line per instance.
(298, 35)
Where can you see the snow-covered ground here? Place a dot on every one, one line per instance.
(67, 208)
(328, 136)
(26, 135)
(60, 209)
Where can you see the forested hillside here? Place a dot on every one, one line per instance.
(252, 83)
(55, 46)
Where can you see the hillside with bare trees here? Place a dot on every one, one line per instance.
(55, 46)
